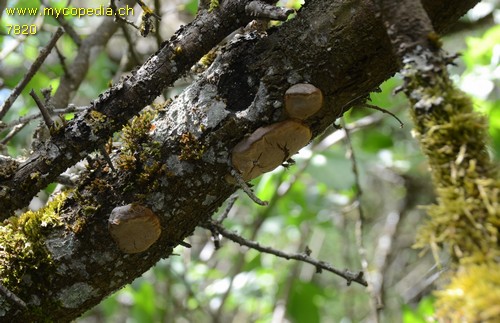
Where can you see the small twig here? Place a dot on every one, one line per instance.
(215, 234)
(106, 157)
(244, 186)
(230, 204)
(374, 107)
(27, 119)
(44, 52)
(131, 48)
(159, 40)
(43, 110)
(304, 257)
(147, 10)
(361, 218)
(62, 59)
(185, 244)
(117, 17)
(12, 297)
(67, 27)
(12, 133)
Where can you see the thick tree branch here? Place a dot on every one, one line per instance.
(466, 216)
(177, 164)
(82, 135)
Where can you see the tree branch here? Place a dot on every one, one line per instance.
(44, 52)
(176, 163)
(81, 135)
(304, 257)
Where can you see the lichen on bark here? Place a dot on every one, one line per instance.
(453, 136)
(466, 216)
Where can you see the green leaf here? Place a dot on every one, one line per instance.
(144, 303)
(303, 302)
(480, 50)
(422, 314)
(191, 7)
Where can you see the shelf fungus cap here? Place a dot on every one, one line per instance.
(303, 100)
(268, 147)
(133, 227)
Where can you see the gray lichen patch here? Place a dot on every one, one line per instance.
(75, 295)
(61, 246)
(178, 167)
(195, 110)
(209, 199)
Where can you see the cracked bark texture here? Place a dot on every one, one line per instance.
(339, 46)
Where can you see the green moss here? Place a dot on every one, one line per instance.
(214, 4)
(22, 246)
(140, 154)
(453, 136)
(472, 296)
(97, 116)
(191, 148)
(136, 132)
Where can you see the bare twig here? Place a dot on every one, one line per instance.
(44, 52)
(147, 10)
(244, 186)
(106, 157)
(360, 220)
(79, 67)
(43, 110)
(67, 27)
(222, 217)
(31, 117)
(120, 18)
(133, 53)
(159, 40)
(374, 107)
(304, 257)
(13, 298)
(12, 133)
(230, 204)
(62, 59)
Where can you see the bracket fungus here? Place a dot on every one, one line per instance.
(268, 147)
(303, 100)
(133, 227)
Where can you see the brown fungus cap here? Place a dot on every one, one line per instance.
(268, 147)
(303, 100)
(133, 227)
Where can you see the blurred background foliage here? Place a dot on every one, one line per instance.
(312, 205)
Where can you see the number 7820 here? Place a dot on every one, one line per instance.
(21, 29)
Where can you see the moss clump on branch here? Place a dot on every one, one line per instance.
(214, 4)
(472, 296)
(22, 247)
(140, 154)
(466, 217)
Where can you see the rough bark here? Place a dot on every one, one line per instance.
(82, 135)
(466, 216)
(178, 164)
